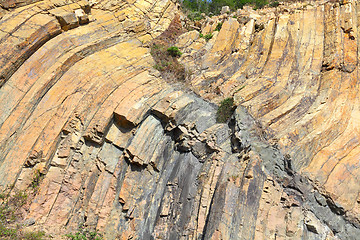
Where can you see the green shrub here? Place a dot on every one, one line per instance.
(204, 6)
(162, 65)
(195, 16)
(174, 51)
(274, 4)
(208, 36)
(260, 4)
(218, 26)
(225, 110)
(156, 46)
(84, 234)
(167, 63)
(158, 67)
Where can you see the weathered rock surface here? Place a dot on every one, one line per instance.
(122, 151)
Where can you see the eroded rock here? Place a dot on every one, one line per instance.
(122, 151)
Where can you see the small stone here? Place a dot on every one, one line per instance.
(311, 228)
(67, 20)
(320, 199)
(34, 158)
(29, 222)
(183, 130)
(81, 16)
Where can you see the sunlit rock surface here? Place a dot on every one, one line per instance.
(125, 152)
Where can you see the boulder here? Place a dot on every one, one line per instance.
(225, 9)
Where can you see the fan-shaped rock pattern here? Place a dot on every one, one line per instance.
(122, 151)
(298, 77)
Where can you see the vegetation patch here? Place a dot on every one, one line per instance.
(174, 51)
(166, 54)
(37, 177)
(194, 16)
(84, 234)
(167, 63)
(225, 110)
(274, 4)
(11, 208)
(214, 7)
(207, 37)
(38, 235)
(219, 26)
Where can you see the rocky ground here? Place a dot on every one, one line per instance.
(115, 145)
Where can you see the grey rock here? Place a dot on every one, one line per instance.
(29, 222)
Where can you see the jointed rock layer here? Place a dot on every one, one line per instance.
(123, 150)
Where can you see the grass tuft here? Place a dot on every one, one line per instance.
(84, 234)
(174, 51)
(219, 26)
(225, 110)
(10, 213)
(207, 37)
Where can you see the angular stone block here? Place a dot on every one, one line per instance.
(81, 16)
(67, 20)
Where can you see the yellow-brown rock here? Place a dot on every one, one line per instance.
(117, 149)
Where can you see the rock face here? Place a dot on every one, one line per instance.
(123, 151)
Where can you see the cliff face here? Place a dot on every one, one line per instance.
(116, 147)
